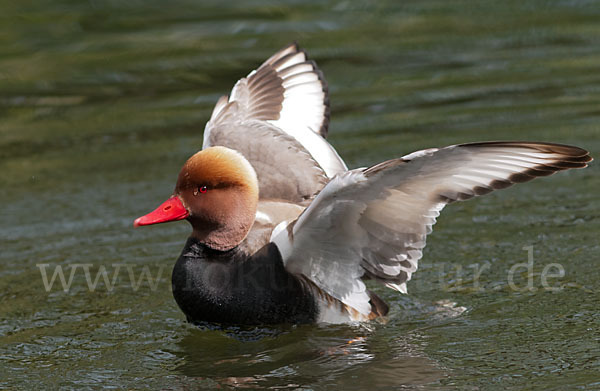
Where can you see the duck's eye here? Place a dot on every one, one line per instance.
(200, 189)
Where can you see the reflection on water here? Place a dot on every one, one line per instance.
(382, 354)
(101, 102)
(333, 356)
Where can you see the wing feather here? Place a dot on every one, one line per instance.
(289, 92)
(373, 223)
(285, 170)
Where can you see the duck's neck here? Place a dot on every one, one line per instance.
(198, 250)
(230, 227)
(220, 239)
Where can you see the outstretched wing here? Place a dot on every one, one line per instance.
(287, 92)
(373, 222)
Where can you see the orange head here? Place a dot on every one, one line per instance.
(217, 191)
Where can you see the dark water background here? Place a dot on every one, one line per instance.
(102, 101)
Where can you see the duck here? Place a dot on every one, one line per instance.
(284, 233)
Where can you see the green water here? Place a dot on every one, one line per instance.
(102, 101)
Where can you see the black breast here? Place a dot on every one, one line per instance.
(231, 287)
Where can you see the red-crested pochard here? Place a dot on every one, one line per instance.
(283, 232)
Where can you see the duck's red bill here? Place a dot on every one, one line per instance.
(170, 210)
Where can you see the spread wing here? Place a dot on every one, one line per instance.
(373, 222)
(287, 93)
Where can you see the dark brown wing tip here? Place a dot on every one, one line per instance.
(570, 153)
(569, 157)
(290, 50)
(294, 44)
(327, 114)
